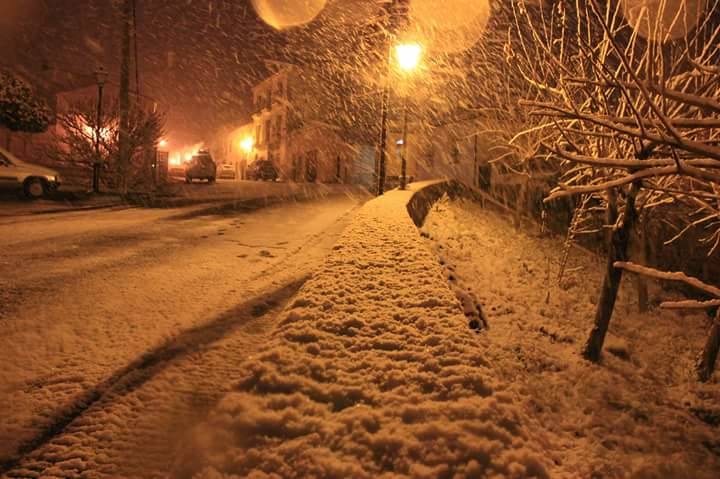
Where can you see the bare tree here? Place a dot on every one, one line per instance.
(635, 119)
(77, 132)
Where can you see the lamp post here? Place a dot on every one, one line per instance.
(247, 144)
(156, 160)
(397, 18)
(408, 58)
(383, 138)
(100, 77)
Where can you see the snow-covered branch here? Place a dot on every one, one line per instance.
(668, 276)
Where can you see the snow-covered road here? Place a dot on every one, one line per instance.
(95, 304)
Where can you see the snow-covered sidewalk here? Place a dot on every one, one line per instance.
(373, 372)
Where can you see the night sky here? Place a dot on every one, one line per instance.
(198, 58)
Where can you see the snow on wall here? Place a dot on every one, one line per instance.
(372, 373)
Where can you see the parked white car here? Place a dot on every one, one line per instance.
(226, 171)
(35, 180)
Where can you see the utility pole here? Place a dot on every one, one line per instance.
(124, 100)
(135, 48)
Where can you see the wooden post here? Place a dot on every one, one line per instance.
(706, 361)
(611, 282)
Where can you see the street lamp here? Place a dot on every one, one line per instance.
(408, 58)
(156, 160)
(247, 144)
(101, 76)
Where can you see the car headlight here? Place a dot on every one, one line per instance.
(53, 178)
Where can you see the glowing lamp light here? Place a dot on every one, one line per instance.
(399, 142)
(188, 156)
(247, 144)
(408, 55)
(162, 143)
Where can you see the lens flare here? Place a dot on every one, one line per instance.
(282, 14)
(452, 28)
(663, 20)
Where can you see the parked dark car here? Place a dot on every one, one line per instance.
(202, 167)
(263, 170)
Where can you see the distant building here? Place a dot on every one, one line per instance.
(270, 118)
(287, 132)
(318, 154)
(240, 145)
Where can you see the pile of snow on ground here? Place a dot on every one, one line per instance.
(640, 413)
(373, 373)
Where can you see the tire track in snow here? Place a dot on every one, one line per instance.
(85, 435)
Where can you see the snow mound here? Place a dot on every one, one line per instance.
(640, 413)
(373, 372)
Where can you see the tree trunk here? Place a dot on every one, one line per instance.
(520, 204)
(641, 282)
(613, 276)
(611, 216)
(706, 362)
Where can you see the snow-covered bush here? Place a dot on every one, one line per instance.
(20, 109)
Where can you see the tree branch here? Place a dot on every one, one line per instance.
(668, 276)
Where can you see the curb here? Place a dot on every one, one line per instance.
(80, 208)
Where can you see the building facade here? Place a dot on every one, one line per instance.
(288, 132)
(240, 149)
(271, 100)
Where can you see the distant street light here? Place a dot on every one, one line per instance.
(100, 77)
(408, 56)
(247, 144)
(162, 143)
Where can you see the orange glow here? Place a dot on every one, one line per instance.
(181, 154)
(408, 55)
(247, 144)
(90, 132)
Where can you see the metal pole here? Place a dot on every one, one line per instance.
(403, 160)
(96, 164)
(155, 167)
(383, 139)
